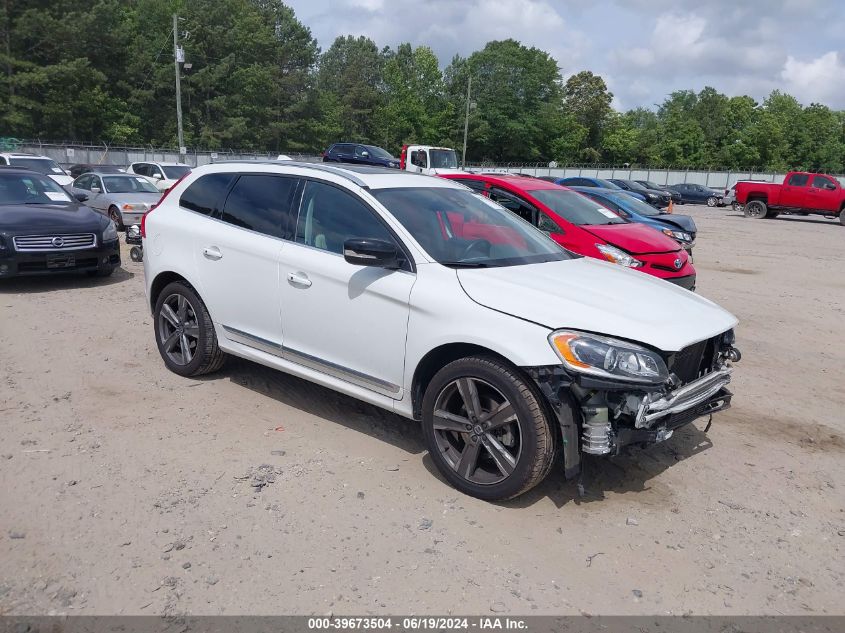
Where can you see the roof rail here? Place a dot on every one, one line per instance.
(331, 169)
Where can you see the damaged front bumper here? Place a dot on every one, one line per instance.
(600, 417)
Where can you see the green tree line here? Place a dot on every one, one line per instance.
(102, 71)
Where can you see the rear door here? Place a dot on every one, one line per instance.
(343, 320)
(236, 249)
(97, 199)
(795, 191)
(344, 153)
(823, 193)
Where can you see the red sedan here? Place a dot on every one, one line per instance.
(585, 227)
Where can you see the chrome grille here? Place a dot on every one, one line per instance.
(60, 242)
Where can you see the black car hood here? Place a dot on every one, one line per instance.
(50, 217)
(683, 222)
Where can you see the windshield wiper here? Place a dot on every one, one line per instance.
(466, 264)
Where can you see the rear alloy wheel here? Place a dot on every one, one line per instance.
(114, 216)
(755, 209)
(486, 429)
(712, 201)
(185, 333)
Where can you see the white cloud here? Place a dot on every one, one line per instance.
(644, 49)
(819, 80)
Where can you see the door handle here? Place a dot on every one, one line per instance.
(212, 252)
(299, 279)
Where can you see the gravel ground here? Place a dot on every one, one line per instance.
(125, 489)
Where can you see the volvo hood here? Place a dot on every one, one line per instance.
(595, 296)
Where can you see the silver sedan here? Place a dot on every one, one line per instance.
(122, 197)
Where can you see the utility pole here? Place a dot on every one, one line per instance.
(178, 56)
(466, 124)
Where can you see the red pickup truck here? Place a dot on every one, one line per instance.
(801, 192)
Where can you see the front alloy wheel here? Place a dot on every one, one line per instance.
(114, 216)
(711, 201)
(486, 429)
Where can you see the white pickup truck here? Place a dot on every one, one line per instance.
(428, 159)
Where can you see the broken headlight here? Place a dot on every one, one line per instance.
(608, 357)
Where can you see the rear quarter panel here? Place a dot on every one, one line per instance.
(769, 191)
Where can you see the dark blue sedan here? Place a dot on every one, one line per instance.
(680, 228)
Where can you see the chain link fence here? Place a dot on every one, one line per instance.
(72, 153)
(715, 178)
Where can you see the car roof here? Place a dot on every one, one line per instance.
(365, 176)
(110, 174)
(23, 155)
(527, 183)
(16, 168)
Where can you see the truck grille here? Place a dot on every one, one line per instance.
(694, 361)
(40, 243)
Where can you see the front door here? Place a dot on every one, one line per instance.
(823, 194)
(341, 319)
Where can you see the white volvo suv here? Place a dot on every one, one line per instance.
(422, 297)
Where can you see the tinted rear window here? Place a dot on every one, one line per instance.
(205, 193)
(798, 180)
(260, 203)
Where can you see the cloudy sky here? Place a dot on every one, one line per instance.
(643, 48)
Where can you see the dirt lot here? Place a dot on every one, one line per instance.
(127, 489)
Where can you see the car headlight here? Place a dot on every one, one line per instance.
(617, 256)
(110, 232)
(608, 357)
(139, 206)
(681, 236)
(651, 196)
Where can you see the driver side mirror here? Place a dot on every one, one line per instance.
(365, 153)
(80, 197)
(830, 186)
(95, 189)
(371, 252)
(158, 176)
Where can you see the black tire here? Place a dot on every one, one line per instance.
(712, 201)
(842, 217)
(202, 355)
(136, 254)
(755, 209)
(735, 206)
(529, 432)
(114, 216)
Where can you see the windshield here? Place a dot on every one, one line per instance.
(174, 172)
(128, 184)
(464, 229)
(443, 159)
(377, 152)
(630, 204)
(606, 184)
(634, 185)
(576, 208)
(30, 189)
(651, 185)
(44, 166)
